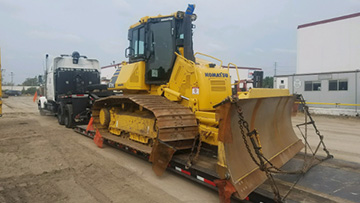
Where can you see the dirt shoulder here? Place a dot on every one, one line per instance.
(45, 162)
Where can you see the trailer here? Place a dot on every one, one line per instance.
(327, 180)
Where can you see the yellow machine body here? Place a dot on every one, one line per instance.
(132, 78)
(193, 85)
(169, 116)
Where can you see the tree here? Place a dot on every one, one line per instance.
(31, 90)
(8, 84)
(30, 82)
(268, 82)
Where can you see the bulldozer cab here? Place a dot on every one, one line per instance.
(155, 41)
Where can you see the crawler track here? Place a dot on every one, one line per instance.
(176, 125)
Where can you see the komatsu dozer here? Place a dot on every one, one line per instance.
(172, 102)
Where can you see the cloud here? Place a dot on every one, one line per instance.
(285, 51)
(259, 50)
(113, 46)
(122, 7)
(50, 35)
(8, 8)
(121, 4)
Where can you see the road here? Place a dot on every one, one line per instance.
(42, 161)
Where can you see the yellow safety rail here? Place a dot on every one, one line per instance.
(237, 73)
(210, 57)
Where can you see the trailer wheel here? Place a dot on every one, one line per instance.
(60, 115)
(69, 121)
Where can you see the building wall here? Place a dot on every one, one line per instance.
(332, 46)
(281, 83)
(296, 84)
(18, 88)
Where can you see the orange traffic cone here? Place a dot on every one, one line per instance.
(98, 139)
(35, 96)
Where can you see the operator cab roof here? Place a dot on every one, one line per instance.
(177, 15)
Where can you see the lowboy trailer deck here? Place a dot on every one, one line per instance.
(330, 181)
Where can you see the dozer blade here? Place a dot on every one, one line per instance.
(271, 117)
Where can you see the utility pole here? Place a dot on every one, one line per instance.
(275, 64)
(12, 80)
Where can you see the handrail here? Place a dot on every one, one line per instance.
(185, 59)
(237, 73)
(210, 57)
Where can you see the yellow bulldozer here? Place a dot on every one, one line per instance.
(174, 103)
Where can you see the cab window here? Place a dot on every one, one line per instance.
(137, 42)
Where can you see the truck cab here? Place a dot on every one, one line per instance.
(67, 82)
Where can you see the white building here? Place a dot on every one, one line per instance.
(329, 45)
(328, 63)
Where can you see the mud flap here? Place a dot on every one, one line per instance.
(98, 139)
(271, 117)
(90, 126)
(160, 156)
(225, 189)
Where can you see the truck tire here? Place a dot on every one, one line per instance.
(68, 118)
(42, 112)
(60, 115)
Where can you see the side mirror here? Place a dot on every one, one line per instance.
(129, 52)
(40, 79)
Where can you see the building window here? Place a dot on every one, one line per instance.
(335, 85)
(312, 86)
(308, 85)
(343, 85)
(316, 86)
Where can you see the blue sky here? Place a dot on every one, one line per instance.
(253, 33)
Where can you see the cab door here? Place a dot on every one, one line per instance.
(161, 45)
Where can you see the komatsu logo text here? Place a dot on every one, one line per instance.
(217, 75)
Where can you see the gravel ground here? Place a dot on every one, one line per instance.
(42, 161)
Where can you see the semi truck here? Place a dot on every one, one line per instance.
(72, 82)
